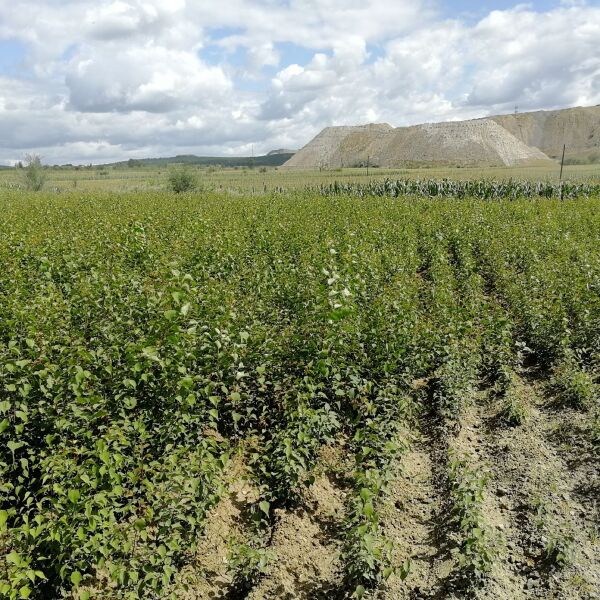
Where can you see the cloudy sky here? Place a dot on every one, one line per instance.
(98, 80)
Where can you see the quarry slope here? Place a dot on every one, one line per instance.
(548, 130)
(478, 142)
(504, 140)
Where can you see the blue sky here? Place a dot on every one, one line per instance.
(474, 10)
(12, 56)
(96, 80)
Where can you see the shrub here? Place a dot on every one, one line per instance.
(33, 174)
(574, 385)
(182, 180)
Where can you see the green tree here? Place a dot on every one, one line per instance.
(33, 173)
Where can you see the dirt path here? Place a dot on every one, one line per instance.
(306, 563)
(542, 489)
(477, 442)
(409, 518)
(534, 500)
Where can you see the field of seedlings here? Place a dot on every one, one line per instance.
(342, 393)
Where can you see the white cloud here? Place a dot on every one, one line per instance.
(149, 78)
(537, 60)
(262, 55)
(123, 19)
(120, 78)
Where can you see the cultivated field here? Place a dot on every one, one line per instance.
(290, 395)
(255, 181)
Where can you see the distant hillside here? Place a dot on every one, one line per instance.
(268, 160)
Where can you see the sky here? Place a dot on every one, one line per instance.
(92, 81)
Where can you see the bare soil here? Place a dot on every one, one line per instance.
(208, 576)
(543, 485)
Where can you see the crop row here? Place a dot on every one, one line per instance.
(483, 189)
(143, 339)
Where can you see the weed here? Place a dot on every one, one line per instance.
(558, 543)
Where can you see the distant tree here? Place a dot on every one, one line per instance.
(19, 165)
(33, 173)
(182, 179)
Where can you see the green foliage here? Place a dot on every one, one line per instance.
(476, 551)
(366, 554)
(247, 563)
(182, 179)
(515, 409)
(142, 341)
(33, 173)
(574, 385)
(484, 189)
(558, 543)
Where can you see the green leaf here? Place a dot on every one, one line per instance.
(368, 509)
(12, 446)
(151, 352)
(76, 578)
(25, 592)
(3, 519)
(366, 494)
(264, 506)
(130, 403)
